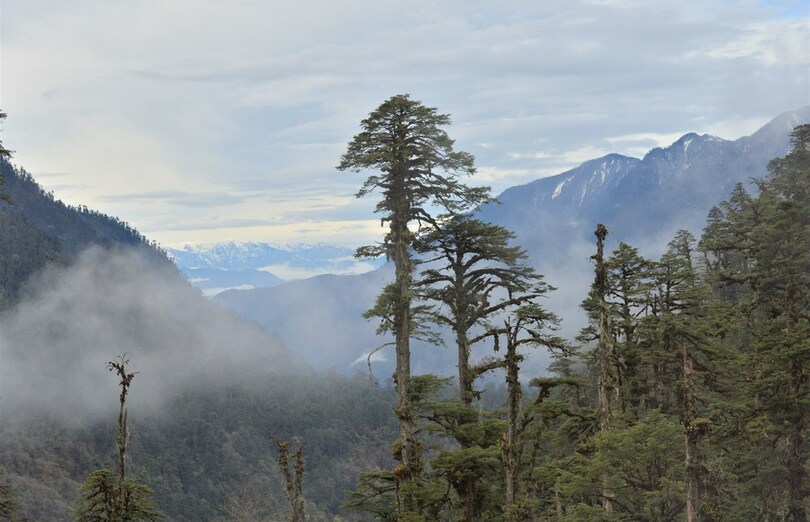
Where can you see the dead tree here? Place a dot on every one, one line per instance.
(293, 485)
(604, 351)
(119, 366)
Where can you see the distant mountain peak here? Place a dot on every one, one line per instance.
(223, 263)
(672, 186)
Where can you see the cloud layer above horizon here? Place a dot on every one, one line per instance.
(204, 120)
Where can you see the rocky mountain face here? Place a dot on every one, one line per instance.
(642, 202)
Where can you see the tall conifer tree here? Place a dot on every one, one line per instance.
(417, 170)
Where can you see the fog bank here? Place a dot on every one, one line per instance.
(54, 345)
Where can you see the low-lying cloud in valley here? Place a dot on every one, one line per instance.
(56, 342)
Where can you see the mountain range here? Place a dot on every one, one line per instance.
(642, 201)
(214, 268)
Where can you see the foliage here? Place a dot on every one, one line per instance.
(207, 450)
(9, 500)
(100, 497)
(644, 466)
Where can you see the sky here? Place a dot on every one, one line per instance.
(212, 120)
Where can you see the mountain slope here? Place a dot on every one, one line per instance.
(36, 229)
(313, 312)
(81, 287)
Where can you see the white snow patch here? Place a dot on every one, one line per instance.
(559, 187)
(686, 144)
(603, 170)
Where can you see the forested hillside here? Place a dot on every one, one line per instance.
(212, 391)
(208, 452)
(37, 229)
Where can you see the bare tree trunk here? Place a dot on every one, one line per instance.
(406, 449)
(604, 351)
(293, 485)
(465, 384)
(119, 367)
(510, 453)
(797, 478)
(694, 479)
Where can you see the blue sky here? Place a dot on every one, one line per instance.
(208, 120)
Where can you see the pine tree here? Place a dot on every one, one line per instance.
(758, 255)
(474, 276)
(100, 500)
(606, 381)
(418, 168)
(530, 324)
(679, 310)
(628, 290)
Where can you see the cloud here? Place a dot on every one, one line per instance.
(55, 343)
(178, 198)
(289, 272)
(195, 98)
(782, 42)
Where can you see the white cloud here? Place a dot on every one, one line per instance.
(569, 157)
(638, 144)
(252, 99)
(782, 42)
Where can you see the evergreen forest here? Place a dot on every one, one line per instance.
(686, 396)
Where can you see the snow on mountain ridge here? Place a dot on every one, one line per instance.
(251, 254)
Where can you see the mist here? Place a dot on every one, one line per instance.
(54, 345)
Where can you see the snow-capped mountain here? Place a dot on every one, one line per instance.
(235, 255)
(641, 201)
(245, 265)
